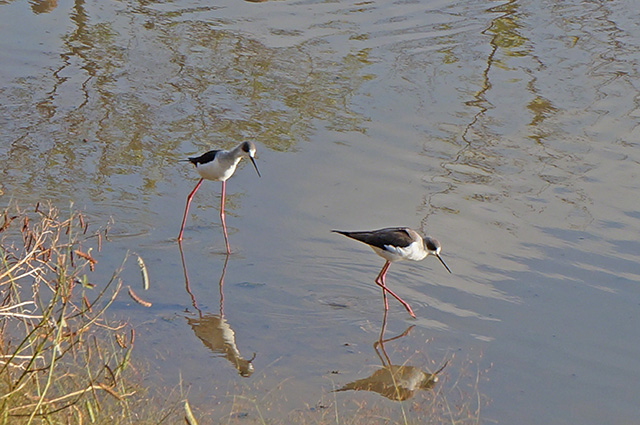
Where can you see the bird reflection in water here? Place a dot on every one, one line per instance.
(213, 329)
(394, 382)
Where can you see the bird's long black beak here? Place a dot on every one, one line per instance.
(253, 161)
(443, 263)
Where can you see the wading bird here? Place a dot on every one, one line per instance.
(219, 165)
(396, 244)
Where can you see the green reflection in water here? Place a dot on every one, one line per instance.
(506, 31)
(541, 109)
(130, 93)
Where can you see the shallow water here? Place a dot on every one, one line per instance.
(505, 129)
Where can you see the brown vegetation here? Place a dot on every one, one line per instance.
(61, 361)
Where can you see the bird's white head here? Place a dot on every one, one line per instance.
(433, 247)
(249, 150)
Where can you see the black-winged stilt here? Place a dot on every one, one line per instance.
(396, 244)
(219, 165)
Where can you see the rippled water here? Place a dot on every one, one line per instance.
(508, 130)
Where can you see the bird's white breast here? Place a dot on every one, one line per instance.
(415, 251)
(217, 170)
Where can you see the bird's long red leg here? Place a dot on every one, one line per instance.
(224, 225)
(380, 281)
(186, 209)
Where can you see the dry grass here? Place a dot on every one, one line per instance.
(61, 361)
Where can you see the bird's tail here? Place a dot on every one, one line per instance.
(345, 233)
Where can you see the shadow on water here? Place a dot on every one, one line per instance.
(395, 382)
(213, 329)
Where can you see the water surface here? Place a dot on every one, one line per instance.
(507, 130)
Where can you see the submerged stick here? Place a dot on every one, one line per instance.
(145, 275)
(137, 298)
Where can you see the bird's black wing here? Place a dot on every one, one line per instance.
(204, 158)
(396, 236)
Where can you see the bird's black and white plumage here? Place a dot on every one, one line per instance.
(219, 165)
(396, 244)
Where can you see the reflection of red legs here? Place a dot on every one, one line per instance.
(384, 324)
(380, 342)
(186, 279)
(224, 225)
(188, 288)
(380, 282)
(186, 209)
(221, 284)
